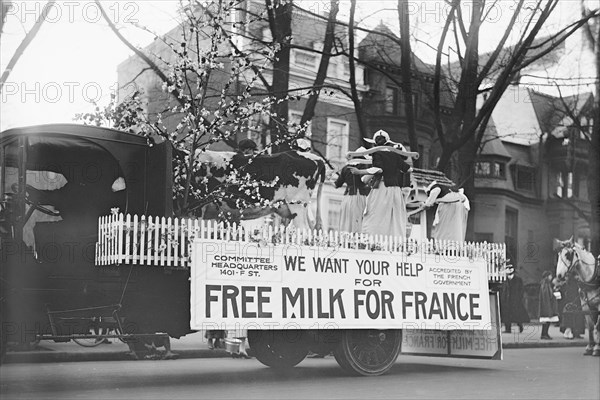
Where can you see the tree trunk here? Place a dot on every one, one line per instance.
(360, 118)
(468, 151)
(4, 9)
(594, 156)
(405, 72)
(281, 31)
(311, 103)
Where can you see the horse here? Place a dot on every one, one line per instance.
(574, 258)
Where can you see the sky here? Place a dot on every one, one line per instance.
(73, 60)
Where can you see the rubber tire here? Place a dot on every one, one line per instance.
(368, 352)
(94, 341)
(278, 349)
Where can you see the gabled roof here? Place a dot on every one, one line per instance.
(382, 47)
(515, 119)
(491, 143)
(553, 113)
(454, 69)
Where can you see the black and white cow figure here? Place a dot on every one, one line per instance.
(285, 180)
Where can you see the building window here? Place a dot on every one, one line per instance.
(339, 68)
(490, 169)
(294, 118)
(391, 100)
(334, 214)
(564, 184)
(345, 68)
(305, 60)
(337, 139)
(482, 169)
(402, 105)
(525, 178)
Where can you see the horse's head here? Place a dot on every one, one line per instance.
(572, 257)
(566, 257)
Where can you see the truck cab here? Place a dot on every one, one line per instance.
(55, 182)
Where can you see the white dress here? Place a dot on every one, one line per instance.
(385, 212)
(351, 213)
(450, 221)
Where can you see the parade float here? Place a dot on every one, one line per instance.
(128, 260)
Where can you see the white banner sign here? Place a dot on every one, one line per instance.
(251, 286)
(472, 343)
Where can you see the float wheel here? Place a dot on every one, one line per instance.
(368, 352)
(278, 348)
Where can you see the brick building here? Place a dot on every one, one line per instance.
(532, 164)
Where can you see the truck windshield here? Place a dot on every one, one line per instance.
(17, 214)
(55, 187)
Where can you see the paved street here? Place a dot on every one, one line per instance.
(536, 373)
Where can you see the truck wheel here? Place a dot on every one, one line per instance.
(368, 352)
(278, 349)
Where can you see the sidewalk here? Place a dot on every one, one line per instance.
(530, 337)
(195, 346)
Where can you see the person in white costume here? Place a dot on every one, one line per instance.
(355, 195)
(450, 222)
(385, 210)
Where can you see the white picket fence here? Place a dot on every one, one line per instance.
(164, 242)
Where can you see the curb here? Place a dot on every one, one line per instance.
(62, 356)
(550, 343)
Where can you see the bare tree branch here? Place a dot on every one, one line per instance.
(405, 72)
(438, 75)
(354, 92)
(244, 55)
(28, 39)
(494, 56)
(311, 103)
(5, 7)
(587, 29)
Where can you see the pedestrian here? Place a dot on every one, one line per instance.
(512, 309)
(355, 195)
(452, 212)
(216, 338)
(385, 210)
(572, 322)
(547, 303)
